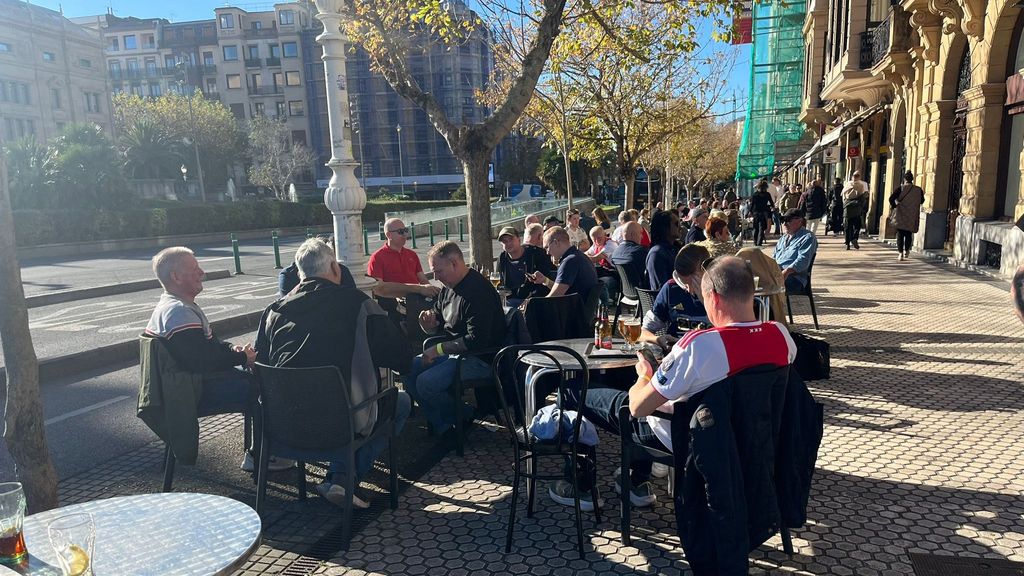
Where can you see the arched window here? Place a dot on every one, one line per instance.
(1013, 142)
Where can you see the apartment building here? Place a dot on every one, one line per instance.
(936, 88)
(49, 73)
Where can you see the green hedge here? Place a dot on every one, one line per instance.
(38, 227)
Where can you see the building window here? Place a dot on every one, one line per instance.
(257, 109)
(278, 79)
(230, 53)
(92, 101)
(211, 85)
(137, 90)
(296, 108)
(252, 51)
(255, 81)
(55, 98)
(115, 67)
(49, 57)
(275, 51)
(155, 90)
(299, 137)
(129, 42)
(234, 81)
(133, 65)
(286, 17)
(226, 21)
(291, 49)
(114, 45)
(208, 59)
(151, 66)
(148, 41)
(292, 78)
(238, 111)
(280, 109)
(15, 92)
(5, 47)
(85, 63)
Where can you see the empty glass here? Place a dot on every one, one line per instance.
(72, 537)
(12, 517)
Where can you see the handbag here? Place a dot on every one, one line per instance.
(813, 357)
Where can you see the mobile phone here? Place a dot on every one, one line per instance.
(649, 356)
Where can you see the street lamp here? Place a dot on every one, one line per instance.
(192, 122)
(401, 167)
(184, 173)
(415, 190)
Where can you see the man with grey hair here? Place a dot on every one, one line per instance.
(534, 234)
(322, 323)
(468, 313)
(185, 331)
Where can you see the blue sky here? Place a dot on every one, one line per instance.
(202, 9)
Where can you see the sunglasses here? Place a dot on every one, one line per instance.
(402, 231)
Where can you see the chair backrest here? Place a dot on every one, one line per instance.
(508, 367)
(628, 289)
(556, 318)
(305, 408)
(810, 270)
(590, 306)
(647, 298)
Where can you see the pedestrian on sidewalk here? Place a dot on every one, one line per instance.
(813, 204)
(906, 213)
(1017, 292)
(761, 205)
(835, 209)
(855, 199)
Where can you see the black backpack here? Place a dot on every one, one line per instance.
(812, 357)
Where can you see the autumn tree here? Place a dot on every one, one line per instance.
(392, 32)
(275, 160)
(220, 141)
(705, 154)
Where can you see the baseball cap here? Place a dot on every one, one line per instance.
(791, 214)
(508, 230)
(552, 220)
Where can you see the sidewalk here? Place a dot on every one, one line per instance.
(921, 456)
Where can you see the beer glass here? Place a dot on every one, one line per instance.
(757, 282)
(12, 517)
(72, 537)
(632, 333)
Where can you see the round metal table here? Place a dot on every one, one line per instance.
(763, 295)
(158, 534)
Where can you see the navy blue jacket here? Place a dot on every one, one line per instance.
(737, 490)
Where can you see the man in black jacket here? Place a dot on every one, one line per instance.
(323, 323)
(184, 329)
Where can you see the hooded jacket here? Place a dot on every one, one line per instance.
(323, 324)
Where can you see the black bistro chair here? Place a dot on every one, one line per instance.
(647, 298)
(307, 415)
(807, 291)
(628, 295)
(480, 387)
(526, 446)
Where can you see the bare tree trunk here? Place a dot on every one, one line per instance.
(474, 169)
(568, 173)
(23, 417)
(629, 179)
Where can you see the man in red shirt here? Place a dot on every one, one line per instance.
(397, 269)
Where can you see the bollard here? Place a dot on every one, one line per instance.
(309, 232)
(412, 230)
(462, 237)
(366, 242)
(446, 236)
(277, 251)
(234, 249)
(430, 231)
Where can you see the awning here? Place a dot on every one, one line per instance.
(835, 134)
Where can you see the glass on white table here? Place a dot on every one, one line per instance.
(72, 537)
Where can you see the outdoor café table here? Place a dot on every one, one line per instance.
(167, 533)
(763, 295)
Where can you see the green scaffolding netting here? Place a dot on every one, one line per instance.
(771, 133)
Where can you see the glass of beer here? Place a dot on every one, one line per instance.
(632, 332)
(622, 332)
(12, 516)
(495, 279)
(72, 537)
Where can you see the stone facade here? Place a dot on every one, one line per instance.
(932, 75)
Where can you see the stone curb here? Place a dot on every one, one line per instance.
(106, 290)
(128, 351)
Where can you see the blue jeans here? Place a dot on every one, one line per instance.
(796, 284)
(368, 452)
(602, 408)
(431, 387)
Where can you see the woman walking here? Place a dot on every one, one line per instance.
(906, 206)
(835, 209)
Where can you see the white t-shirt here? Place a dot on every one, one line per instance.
(577, 236)
(704, 357)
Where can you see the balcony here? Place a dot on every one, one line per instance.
(214, 95)
(261, 32)
(874, 44)
(274, 62)
(265, 91)
(139, 73)
(253, 62)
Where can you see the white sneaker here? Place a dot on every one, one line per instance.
(659, 470)
(335, 494)
(274, 465)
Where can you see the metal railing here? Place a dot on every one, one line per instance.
(261, 32)
(265, 90)
(874, 43)
(273, 62)
(253, 62)
(500, 211)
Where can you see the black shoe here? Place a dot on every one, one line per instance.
(847, 246)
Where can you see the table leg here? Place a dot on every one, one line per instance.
(766, 307)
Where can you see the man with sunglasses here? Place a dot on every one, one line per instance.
(396, 268)
(795, 250)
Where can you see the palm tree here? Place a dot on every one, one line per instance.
(148, 151)
(31, 178)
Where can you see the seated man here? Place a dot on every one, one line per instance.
(288, 278)
(534, 235)
(795, 250)
(600, 252)
(737, 342)
(396, 268)
(530, 219)
(575, 275)
(698, 218)
(679, 297)
(550, 222)
(516, 261)
(323, 323)
(632, 256)
(186, 332)
(468, 311)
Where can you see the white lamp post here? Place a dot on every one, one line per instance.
(344, 196)
(401, 165)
